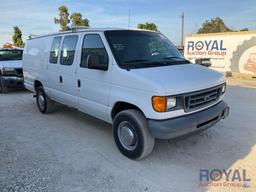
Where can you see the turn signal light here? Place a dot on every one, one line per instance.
(159, 103)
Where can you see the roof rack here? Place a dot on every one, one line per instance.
(76, 28)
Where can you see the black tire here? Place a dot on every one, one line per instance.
(3, 88)
(143, 143)
(44, 103)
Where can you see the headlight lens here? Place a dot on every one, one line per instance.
(162, 104)
(224, 88)
(170, 103)
(8, 69)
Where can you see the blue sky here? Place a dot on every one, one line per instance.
(36, 16)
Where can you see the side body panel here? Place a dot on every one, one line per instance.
(35, 62)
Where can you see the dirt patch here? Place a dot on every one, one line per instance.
(241, 82)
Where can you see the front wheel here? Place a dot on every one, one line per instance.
(44, 103)
(131, 134)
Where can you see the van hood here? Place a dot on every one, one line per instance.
(13, 64)
(178, 79)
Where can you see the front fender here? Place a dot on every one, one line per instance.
(141, 99)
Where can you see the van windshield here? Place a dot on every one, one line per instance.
(8, 54)
(141, 49)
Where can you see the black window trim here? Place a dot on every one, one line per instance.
(83, 44)
(64, 36)
(59, 49)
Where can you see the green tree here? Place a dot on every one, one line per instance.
(17, 37)
(77, 20)
(148, 26)
(244, 29)
(63, 18)
(215, 25)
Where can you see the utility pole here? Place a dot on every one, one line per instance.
(182, 30)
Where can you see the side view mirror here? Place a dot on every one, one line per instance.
(99, 62)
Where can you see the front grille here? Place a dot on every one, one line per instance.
(19, 72)
(199, 99)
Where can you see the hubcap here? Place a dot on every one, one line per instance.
(127, 136)
(41, 101)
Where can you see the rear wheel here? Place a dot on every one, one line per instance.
(131, 134)
(3, 88)
(44, 103)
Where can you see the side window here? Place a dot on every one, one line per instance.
(55, 50)
(68, 50)
(93, 45)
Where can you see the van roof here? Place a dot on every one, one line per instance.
(77, 30)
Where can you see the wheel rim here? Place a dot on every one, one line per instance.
(41, 101)
(127, 136)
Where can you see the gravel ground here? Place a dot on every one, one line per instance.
(68, 151)
(242, 82)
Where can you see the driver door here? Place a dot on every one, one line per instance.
(93, 85)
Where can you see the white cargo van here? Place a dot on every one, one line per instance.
(137, 80)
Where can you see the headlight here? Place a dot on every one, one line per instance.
(8, 69)
(162, 104)
(224, 88)
(170, 103)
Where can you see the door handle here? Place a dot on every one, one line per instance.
(78, 83)
(61, 80)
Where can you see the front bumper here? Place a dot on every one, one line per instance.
(13, 81)
(199, 121)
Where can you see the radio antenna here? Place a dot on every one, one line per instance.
(129, 18)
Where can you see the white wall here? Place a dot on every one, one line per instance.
(227, 51)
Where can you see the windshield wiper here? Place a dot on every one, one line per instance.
(143, 64)
(174, 58)
(136, 61)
